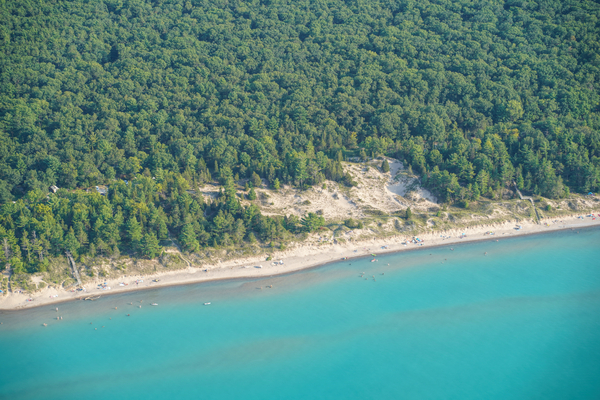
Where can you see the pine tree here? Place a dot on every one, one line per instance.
(476, 192)
(363, 155)
(188, 238)
(256, 181)
(231, 200)
(312, 222)
(251, 194)
(408, 213)
(225, 174)
(150, 246)
(300, 171)
(116, 253)
(385, 166)
(162, 229)
(520, 182)
(134, 232)
(26, 245)
(251, 238)
(92, 250)
(71, 244)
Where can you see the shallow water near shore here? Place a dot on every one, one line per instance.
(522, 322)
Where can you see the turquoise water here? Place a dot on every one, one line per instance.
(522, 322)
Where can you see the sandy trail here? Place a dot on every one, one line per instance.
(302, 257)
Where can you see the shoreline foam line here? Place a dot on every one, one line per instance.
(296, 262)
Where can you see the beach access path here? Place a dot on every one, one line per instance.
(298, 258)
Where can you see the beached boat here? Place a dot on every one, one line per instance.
(154, 304)
(207, 304)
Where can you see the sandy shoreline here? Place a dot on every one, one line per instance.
(300, 258)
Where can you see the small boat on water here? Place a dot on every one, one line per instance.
(154, 304)
(207, 304)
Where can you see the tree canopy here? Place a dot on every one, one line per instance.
(473, 95)
(94, 90)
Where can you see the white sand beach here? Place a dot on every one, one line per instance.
(301, 257)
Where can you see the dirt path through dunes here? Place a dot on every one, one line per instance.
(178, 250)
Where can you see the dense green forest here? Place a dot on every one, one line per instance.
(472, 94)
(133, 218)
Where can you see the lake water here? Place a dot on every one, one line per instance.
(522, 322)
